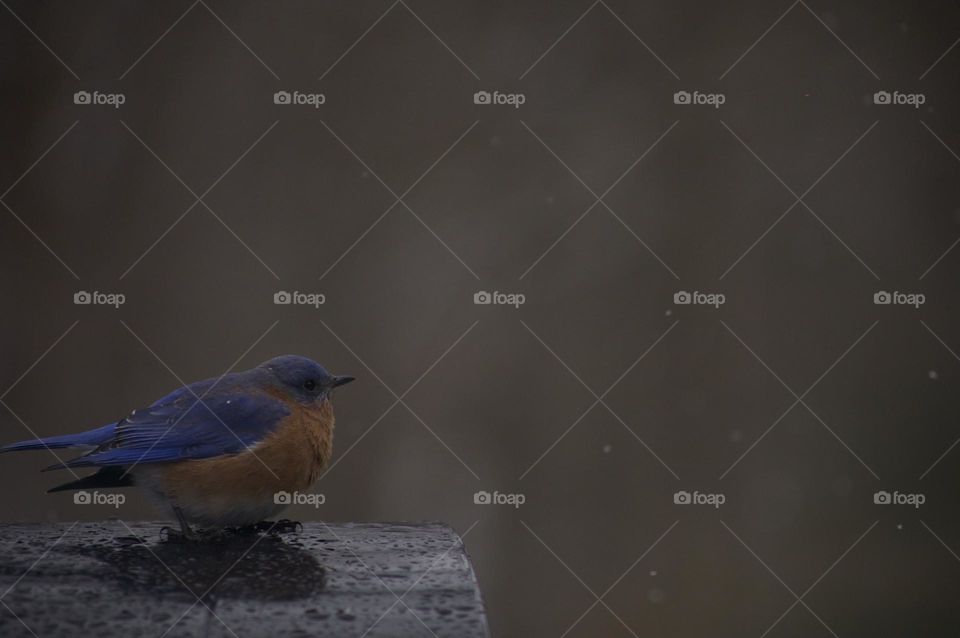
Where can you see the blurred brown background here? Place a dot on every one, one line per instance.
(292, 207)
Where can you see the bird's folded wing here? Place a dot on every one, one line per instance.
(188, 428)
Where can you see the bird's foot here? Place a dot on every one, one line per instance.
(170, 535)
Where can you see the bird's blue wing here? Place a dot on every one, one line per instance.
(183, 428)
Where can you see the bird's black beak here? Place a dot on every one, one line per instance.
(341, 380)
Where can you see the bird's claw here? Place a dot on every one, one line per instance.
(189, 535)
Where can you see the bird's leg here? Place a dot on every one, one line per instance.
(185, 534)
(285, 525)
(184, 526)
(199, 535)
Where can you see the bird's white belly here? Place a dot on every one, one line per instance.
(211, 509)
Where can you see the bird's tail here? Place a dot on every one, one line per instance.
(83, 439)
(110, 476)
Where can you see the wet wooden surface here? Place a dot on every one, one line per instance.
(125, 579)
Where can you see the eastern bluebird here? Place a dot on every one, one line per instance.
(216, 452)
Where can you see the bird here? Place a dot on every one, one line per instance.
(218, 452)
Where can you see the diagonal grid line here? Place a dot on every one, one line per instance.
(956, 157)
(599, 199)
(39, 359)
(557, 41)
(818, 19)
(357, 41)
(599, 399)
(39, 159)
(239, 39)
(19, 219)
(36, 436)
(638, 39)
(954, 444)
(14, 614)
(399, 199)
(418, 19)
(616, 17)
(597, 599)
(40, 240)
(940, 540)
(185, 585)
(620, 578)
(218, 19)
(438, 39)
(20, 378)
(839, 39)
(42, 556)
(757, 41)
(399, 599)
(199, 199)
(200, 598)
(157, 41)
(799, 400)
(937, 61)
(799, 199)
(399, 398)
(40, 40)
(799, 600)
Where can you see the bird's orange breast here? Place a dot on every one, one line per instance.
(289, 459)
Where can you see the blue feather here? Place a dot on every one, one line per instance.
(226, 422)
(93, 437)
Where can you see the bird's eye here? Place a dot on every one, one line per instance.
(310, 385)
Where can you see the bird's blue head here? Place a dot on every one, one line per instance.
(303, 378)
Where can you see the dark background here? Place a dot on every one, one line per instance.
(302, 210)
